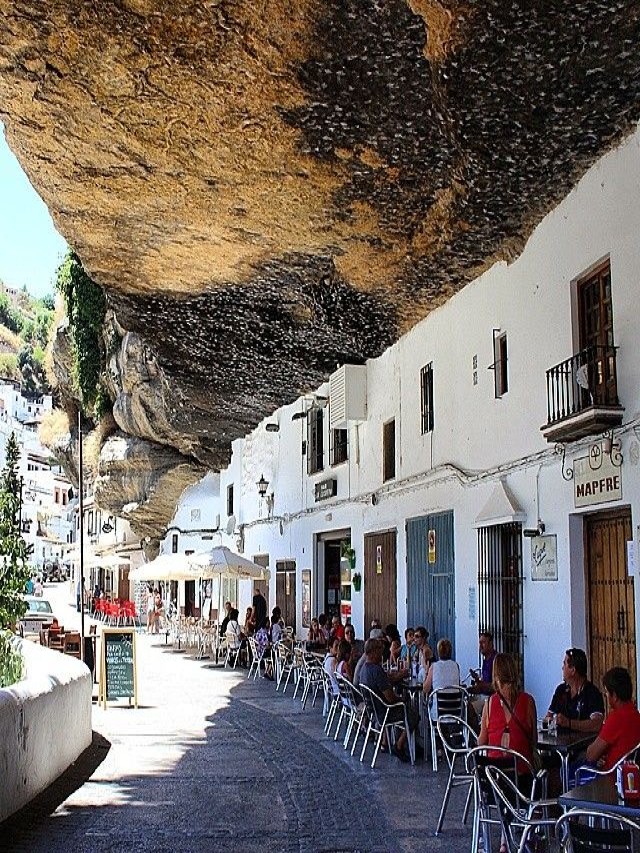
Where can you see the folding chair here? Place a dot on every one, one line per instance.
(603, 832)
(457, 739)
(451, 701)
(385, 719)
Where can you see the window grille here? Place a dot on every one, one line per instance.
(230, 499)
(338, 446)
(500, 585)
(426, 397)
(174, 543)
(315, 441)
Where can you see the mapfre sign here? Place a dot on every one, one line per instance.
(596, 485)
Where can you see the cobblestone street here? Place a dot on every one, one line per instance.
(210, 761)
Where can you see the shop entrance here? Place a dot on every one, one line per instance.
(334, 574)
(610, 594)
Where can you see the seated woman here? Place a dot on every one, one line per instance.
(330, 663)
(277, 630)
(408, 649)
(233, 632)
(343, 660)
(509, 716)
(509, 719)
(315, 636)
(249, 623)
(442, 673)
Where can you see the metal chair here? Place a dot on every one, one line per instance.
(385, 719)
(332, 701)
(518, 813)
(285, 665)
(313, 672)
(256, 658)
(451, 701)
(457, 739)
(485, 811)
(603, 832)
(586, 772)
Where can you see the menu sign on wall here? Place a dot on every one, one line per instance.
(593, 485)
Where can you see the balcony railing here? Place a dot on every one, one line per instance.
(582, 394)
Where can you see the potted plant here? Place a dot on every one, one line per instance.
(357, 581)
(348, 553)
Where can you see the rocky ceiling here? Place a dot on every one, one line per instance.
(268, 189)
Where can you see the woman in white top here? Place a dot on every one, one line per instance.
(330, 663)
(233, 632)
(443, 673)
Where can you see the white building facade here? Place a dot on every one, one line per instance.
(492, 470)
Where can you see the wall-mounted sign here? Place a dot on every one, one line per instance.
(378, 559)
(544, 558)
(593, 485)
(431, 539)
(326, 489)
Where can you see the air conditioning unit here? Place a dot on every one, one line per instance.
(348, 395)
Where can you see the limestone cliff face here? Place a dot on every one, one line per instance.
(142, 481)
(269, 189)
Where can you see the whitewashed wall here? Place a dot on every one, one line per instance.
(477, 439)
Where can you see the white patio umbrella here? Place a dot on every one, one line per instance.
(166, 567)
(221, 562)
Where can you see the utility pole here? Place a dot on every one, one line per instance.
(81, 510)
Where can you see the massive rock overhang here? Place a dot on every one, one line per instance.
(266, 190)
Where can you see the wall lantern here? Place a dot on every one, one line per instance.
(262, 485)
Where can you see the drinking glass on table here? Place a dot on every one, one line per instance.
(553, 724)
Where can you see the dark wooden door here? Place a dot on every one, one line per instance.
(380, 579)
(286, 591)
(610, 594)
(262, 586)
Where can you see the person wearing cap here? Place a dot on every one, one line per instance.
(577, 702)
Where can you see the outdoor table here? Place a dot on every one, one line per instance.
(599, 794)
(564, 743)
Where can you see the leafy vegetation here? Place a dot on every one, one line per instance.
(25, 326)
(11, 663)
(14, 571)
(86, 306)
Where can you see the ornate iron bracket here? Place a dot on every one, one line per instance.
(567, 472)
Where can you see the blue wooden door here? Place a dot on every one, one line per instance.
(431, 575)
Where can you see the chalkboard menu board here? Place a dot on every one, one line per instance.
(118, 665)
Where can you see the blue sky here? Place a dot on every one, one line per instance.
(30, 247)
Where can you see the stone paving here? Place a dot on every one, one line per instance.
(211, 761)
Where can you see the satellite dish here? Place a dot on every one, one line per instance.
(231, 525)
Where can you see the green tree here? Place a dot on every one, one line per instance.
(48, 301)
(86, 306)
(14, 571)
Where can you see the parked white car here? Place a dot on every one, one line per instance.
(38, 612)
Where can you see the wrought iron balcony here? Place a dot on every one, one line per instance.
(582, 395)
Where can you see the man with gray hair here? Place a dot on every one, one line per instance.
(373, 676)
